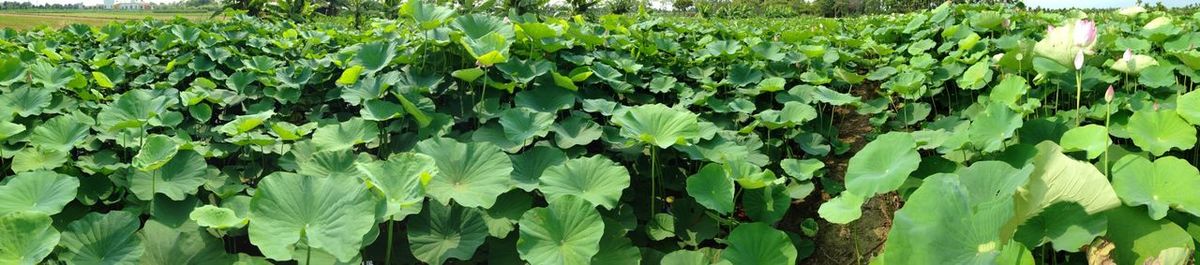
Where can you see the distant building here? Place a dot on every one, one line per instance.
(133, 5)
(109, 3)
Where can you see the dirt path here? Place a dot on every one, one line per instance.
(858, 241)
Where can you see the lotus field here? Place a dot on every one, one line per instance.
(964, 134)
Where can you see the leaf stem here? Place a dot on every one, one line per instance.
(387, 260)
(1078, 94)
(653, 179)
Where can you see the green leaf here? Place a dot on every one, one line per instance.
(977, 76)
(801, 170)
(468, 74)
(576, 130)
(521, 124)
(401, 178)
(109, 238)
(691, 257)
(941, 223)
(61, 133)
(1166, 183)
(767, 205)
(102, 79)
(529, 166)
(712, 188)
(443, 232)
(568, 232)
(1139, 239)
(1059, 178)
(27, 101)
(1091, 138)
(133, 109)
(1134, 65)
(1160, 131)
(181, 176)
(326, 213)
(595, 179)
(374, 56)
(758, 243)
(28, 237)
(471, 174)
(842, 209)
(1187, 105)
(1009, 91)
(39, 191)
(990, 128)
(217, 217)
(186, 244)
(30, 159)
(345, 135)
(350, 76)
(658, 125)
(244, 123)
(155, 152)
(1157, 76)
(882, 165)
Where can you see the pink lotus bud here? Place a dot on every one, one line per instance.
(506, 20)
(1079, 60)
(1128, 55)
(1108, 95)
(1155, 106)
(1049, 28)
(1085, 32)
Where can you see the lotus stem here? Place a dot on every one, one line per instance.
(1078, 94)
(1107, 115)
(308, 255)
(387, 260)
(653, 179)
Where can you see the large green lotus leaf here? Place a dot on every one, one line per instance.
(1158, 76)
(1090, 138)
(793, 113)
(521, 124)
(658, 125)
(843, 209)
(331, 214)
(577, 130)
(245, 123)
(181, 176)
(502, 218)
(443, 232)
(661, 226)
(595, 179)
(10, 69)
(691, 257)
(990, 128)
(374, 56)
(400, 178)
(428, 16)
(1134, 64)
(941, 223)
(471, 174)
(882, 165)
(328, 163)
(61, 133)
(217, 217)
(32, 158)
(27, 101)
(616, 247)
(109, 238)
(39, 191)
(131, 110)
(759, 243)
(9, 129)
(1009, 91)
(345, 135)
(185, 244)
(1059, 44)
(1187, 105)
(801, 170)
(767, 205)
(1160, 131)
(155, 152)
(28, 237)
(712, 188)
(1138, 239)
(1066, 225)
(529, 166)
(1059, 178)
(1167, 183)
(568, 231)
(977, 76)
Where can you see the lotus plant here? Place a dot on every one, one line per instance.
(1108, 98)
(1085, 36)
(1078, 83)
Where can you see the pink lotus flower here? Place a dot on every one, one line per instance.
(1128, 55)
(1049, 28)
(1079, 60)
(1108, 95)
(1085, 32)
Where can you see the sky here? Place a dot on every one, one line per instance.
(1035, 3)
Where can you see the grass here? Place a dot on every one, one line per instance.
(33, 19)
